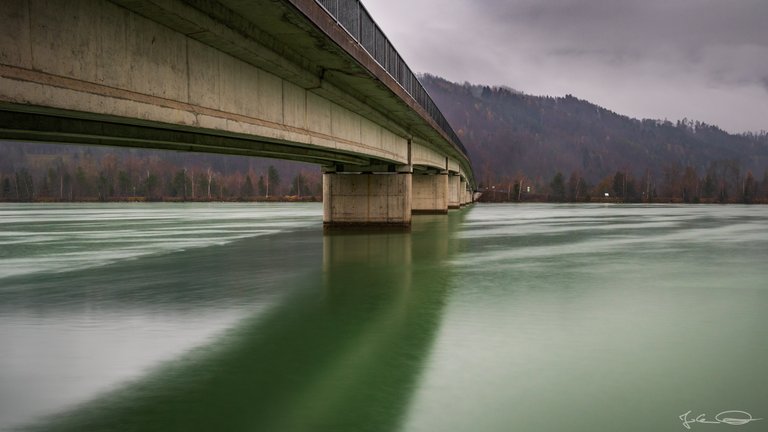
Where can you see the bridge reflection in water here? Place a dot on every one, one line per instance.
(342, 352)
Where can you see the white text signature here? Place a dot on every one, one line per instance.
(732, 417)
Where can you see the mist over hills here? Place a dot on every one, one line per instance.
(510, 135)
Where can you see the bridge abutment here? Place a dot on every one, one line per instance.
(367, 199)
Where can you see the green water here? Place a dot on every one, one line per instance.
(132, 317)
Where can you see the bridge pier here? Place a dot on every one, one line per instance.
(380, 197)
(430, 193)
(466, 196)
(453, 191)
(462, 192)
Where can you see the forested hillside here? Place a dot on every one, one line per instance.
(512, 136)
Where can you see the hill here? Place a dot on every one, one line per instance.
(511, 135)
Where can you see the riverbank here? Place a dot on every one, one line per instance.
(489, 199)
(134, 199)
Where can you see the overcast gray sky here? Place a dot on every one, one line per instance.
(701, 59)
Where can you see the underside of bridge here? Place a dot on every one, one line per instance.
(279, 79)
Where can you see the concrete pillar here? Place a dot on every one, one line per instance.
(462, 192)
(454, 200)
(430, 193)
(380, 199)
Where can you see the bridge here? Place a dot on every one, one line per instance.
(306, 80)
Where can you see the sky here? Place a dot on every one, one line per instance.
(704, 60)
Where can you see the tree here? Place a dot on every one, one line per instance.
(558, 187)
(123, 183)
(672, 180)
(300, 186)
(620, 184)
(734, 176)
(179, 184)
(6, 190)
(150, 185)
(61, 173)
(709, 188)
(575, 187)
(246, 191)
(262, 187)
(764, 185)
(81, 183)
(690, 185)
(749, 191)
(25, 188)
(102, 188)
(273, 179)
(210, 181)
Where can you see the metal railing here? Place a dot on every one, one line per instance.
(356, 20)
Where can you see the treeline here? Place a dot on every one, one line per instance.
(53, 172)
(722, 182)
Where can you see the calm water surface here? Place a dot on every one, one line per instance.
(495, 318)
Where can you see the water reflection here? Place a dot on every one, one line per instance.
(341, 346)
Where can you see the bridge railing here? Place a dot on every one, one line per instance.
(356, 20)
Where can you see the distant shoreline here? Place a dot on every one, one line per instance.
(319, 200)
(282, 199)
(504, 197)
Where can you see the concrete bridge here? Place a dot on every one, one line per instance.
(305, 80)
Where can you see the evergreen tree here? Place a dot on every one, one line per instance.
(179, 185)
(246, 191)
(273, 180)
(262, 187)
(558, 187)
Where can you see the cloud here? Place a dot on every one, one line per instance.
(693, 56)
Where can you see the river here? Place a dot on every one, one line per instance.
(180, 317)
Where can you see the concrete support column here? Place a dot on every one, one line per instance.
(367, 199)
(462, 192)
(454, 200)
(430, 193)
